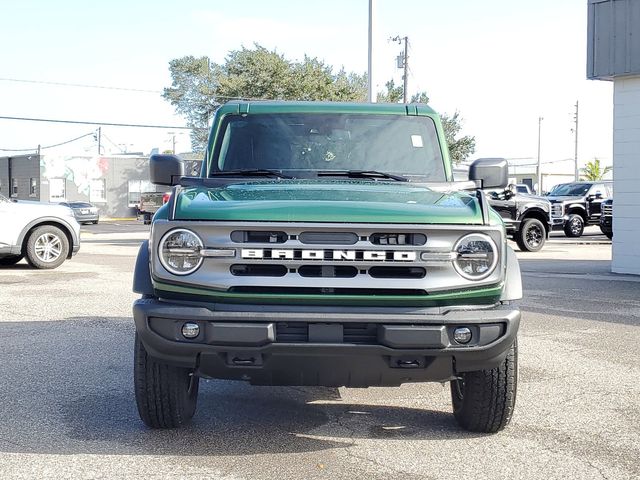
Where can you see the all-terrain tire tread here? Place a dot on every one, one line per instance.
(489, 397)
(161, 391)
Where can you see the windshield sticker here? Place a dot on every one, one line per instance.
(416, 141)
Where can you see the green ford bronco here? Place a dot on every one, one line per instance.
(327, 244)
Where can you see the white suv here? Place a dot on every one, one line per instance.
(44, 233)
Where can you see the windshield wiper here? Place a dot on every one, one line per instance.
(361, 174)
(249, 172)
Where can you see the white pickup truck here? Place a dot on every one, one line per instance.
(43, 233)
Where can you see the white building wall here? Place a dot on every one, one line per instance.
(626, 175)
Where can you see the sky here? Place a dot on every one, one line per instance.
(502, 64)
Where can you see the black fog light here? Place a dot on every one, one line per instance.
(462, 335)
(190, 330)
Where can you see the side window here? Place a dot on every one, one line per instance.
(136, 187)
(598, 188)
(97, 190)
(33, 187)
(57, 190)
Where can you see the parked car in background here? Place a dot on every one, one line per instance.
(43, 233)
(528, 219)
(606, 219)
(149, 204)
(83, 211)
(581, 203)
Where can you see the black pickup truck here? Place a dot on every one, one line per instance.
(528, 219)
(606, 219)
(581, 204)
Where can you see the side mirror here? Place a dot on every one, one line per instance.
(490, 172)
(165, 169)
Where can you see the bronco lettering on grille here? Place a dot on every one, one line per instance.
(348, 255)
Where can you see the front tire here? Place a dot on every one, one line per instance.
(574, 226)
(531, 236)
(166, 395)
(47, 247)
(483, 401)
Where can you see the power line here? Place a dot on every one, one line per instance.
(80, 85)
(47, 146)
(78, 122)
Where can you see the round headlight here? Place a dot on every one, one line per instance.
(477, 256)
(180, 251)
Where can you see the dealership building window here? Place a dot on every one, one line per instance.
(57, 190)
(136, 187)
(33, 187)
(98, 190)
(14, 187)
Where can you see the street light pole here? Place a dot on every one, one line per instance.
(538, 169)
(576, 145)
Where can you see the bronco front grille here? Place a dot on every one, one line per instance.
(607, 210)
(291, 258)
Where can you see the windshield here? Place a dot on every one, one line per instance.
(303, 144)
(570, 189)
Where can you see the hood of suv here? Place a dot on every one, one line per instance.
(40, 209)
(327, 201)
(564, 198)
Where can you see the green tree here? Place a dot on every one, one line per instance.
(392, 95)
(199, 86)
(459, 147)
(593, 171)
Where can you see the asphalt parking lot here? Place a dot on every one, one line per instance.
(68, 410)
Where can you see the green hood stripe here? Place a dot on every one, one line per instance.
(479, 296)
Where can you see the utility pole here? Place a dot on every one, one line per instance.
(403, 62)
(538, 169)
(370, 56)
(99, 137)
(577, 174)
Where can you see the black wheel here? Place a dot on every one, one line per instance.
(47, 247)
(607, 233)
(95, 223)
(483, 401)
(10, 260)
(531, 236)
(574, 226)
(166, 395)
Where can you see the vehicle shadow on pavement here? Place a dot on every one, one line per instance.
(68, 389)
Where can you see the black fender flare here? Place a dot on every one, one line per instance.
(142, 274)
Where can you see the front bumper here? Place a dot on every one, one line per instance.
(87, 217)
(327, 346)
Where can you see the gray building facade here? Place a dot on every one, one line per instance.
(20, 177)
(112, 183)
(613, 54)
